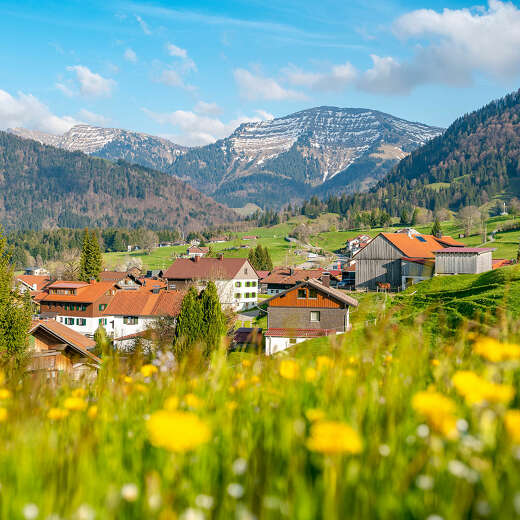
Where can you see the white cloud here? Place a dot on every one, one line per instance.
(255, 87)
(336, 79)
(143, 24)
(264, 115)
(92, 118)
(173, 50)
(69, 92)
(91, 83)
(172, 78)
(130, 55)
(27, 111)
(196, 129)
(210, 109)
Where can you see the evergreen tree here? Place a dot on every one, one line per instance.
(213, 321)
(436, 228)
(103, 343)
(91, 258)
(415, 214)
(15, 314)
(189, 324)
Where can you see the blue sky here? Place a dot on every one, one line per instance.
(193, 71)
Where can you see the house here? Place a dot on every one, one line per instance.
(194, 251)
(398, 259)
(154, 273)
(129, 312)
(463, 260)
(235, 278)
(59, 349)
(284, 278)
(32, 282)
(79, 305)
(249, 237)
(218, 240)
(307, 310)
(246, 338)
(36, 271)
(353, 245)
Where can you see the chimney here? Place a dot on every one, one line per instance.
(196, 258)
(325, 279)
(291, 271)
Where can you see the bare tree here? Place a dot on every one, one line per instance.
(468, 217)
(148, 241)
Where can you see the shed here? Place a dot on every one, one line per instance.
(463, 260)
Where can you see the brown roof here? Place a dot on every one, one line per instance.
(418, 246)
(142, 303)
(34, 280)
(198, 249)
(316, 284)
(205, 268)
(262, 274)
(299, 333)
(247, 335)
(467, 250)
(112, 276)
(71, 337)
(285, 275)
(86, 292)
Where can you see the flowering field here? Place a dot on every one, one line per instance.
(380, 426)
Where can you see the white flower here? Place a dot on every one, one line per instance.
(235, 490)
(85, 512)
(130, 492)
(30, 511)
(384, 450)
(204, 501)
(239, 466)
(423, 431)
(424, 482)
(192, 514)
(154, 501)
(462, 425)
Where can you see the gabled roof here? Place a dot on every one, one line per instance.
(75, 340)
(112, 276)
(329, 291)
(466, 250)
(143, 303)
(417, 245)
(31, 280)
(198, 249)
(286, 275)
(206, 268)
(85, 292)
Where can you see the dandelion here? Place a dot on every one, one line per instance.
(255, 380)
(424, 482)
(57, 414)
(435, 362)
(30, 511)
(177, 431)
(204, 501)
(512, 424)
(384, 450)
(79, 392)
(315, 414)
(192, 401)
(5, 394)
(139, 387)
(239, 466)
(438, 410)
(172, 403)
(494, 351)
(192, 514)
(324, 362)
(310, 374)
(3, 414)
(476, 389)
(240, 383)
(331, 437)
(235, 490)
(289, 369)
(128, 379)
(246, 363)
(92, 412)
(349, 372)
(148, 370)
(130, 492)
(75, 404)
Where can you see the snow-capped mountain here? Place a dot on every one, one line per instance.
(271, 163)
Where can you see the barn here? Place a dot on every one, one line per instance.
(463, 260)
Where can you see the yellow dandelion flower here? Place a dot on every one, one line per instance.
(512, 424)
(388, 358)
(349, 372)
(255, 380)
(57, 414)
(127, 379)
(232, 405)
(139, 387)
(79, 392)
(240, 383)
(352, 360)
(5, 394)
(172, 403)
(194, 382)
(75, 404)
(310, 374)
(92, 412)
(435, 362)
(2, 377)
(246, 363)
(148, 370)
(232, 389)
(192, 401)
(438, 410)
(476, 389)
(332, 437)
(315, 414)
(289, 369)
(494, 351)
(177, 431)
(3, 414)
(324, 362)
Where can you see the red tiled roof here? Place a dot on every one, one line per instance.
(283, 275)
(197, 249)
(262, 275)
(466, 250)
(142, 303)
(449, 241)
(31, 280)
(417, 246)
(206, 269)
(500, 262)
(299, 333)
(112, 276)
(86, 292)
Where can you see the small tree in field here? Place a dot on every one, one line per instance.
(436, 229)
(213, 321)
(189, 324)
(91, 258)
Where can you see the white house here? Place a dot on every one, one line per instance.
(235, 278)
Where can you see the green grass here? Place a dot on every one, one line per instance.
(437, 186)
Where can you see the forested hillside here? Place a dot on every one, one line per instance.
(43, 187)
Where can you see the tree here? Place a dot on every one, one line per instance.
(404, 217)
(260, 258)
(467, 217)
(436, 229)
(103, 343)
(149, 241)
(91, 259)
(189, 324)
(15, 314)
(213, 321)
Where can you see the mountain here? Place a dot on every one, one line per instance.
(315, 151)
(44, 187)
(111, 143)
(474, 161)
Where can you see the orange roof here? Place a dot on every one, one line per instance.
(288, 276)
(418, 246)
(141, 303)
(85, 292)
(112, 276)
(33, 280)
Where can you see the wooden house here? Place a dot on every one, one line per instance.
(463, 260)
(309, 309)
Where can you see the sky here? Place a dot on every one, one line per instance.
(192, 71)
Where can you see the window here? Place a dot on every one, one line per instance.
(102, 306)
(81, 322)
(253, 295)
(248, 284)
(313, 293)
(246, 295)
(253, 284)
(292, 341)
(238, 284)
(237, 295)
(102, 321)
(302, 293)
(315, 315)
(245, 270)
(69, 321)
(130, 320)
(83, 306)
(172, 286)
